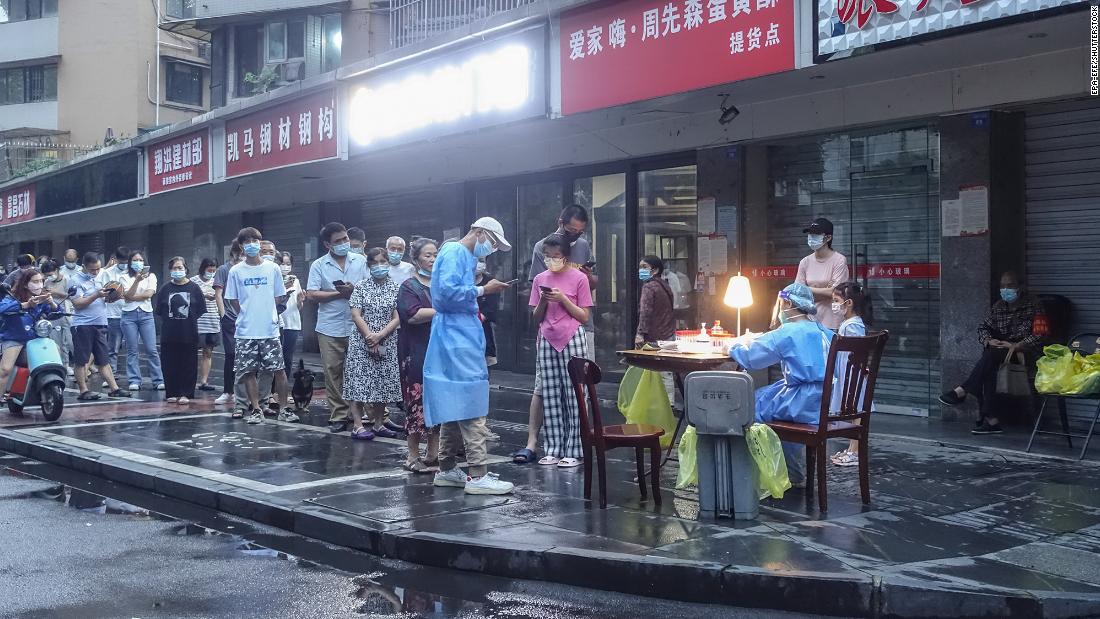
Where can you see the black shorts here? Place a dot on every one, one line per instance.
(210, 340)
(90, 341)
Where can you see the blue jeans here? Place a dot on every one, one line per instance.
(139, 327)
(114, 341)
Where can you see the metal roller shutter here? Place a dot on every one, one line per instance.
(287, 229)
(1062, 148)
(179, 240)
(423, 213)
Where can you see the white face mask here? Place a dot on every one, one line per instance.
(35, 288)
(838, 308)
(285, 268)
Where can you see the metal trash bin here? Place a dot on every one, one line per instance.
(721, 406)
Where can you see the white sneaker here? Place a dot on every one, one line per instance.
(288, 416)
(454, 478)
(135, 387)
(488, 483)
(254, 418)
(160, 386)
(105, 385)
(224, 398)
(71, 373)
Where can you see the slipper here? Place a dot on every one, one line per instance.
(416, 467)
(848, 459)
(523, 456)
(88, 396)
(171, 400)
(569, 463)
(183, 400)
(238, 413)
(549, 461)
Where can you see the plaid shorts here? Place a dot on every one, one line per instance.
(254, 356)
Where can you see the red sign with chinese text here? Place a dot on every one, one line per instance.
(909, 270)
(618, 52)
(17, 204)
(178, 162)
(298, 131)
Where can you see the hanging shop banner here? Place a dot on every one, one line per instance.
(908, 270)
(844, 25)
(18, 204)
(178, 162)
(618, 52)
(298, 131)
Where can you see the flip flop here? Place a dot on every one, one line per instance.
(568, 463)
(88, 396)
(549, 461)
(523, 456)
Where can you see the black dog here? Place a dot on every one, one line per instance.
(302, 392)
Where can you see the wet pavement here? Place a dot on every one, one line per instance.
(951, 530)
(68, 552)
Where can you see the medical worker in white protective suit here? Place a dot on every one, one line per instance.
(456, 378)
(800, 346)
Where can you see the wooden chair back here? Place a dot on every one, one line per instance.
(585, 375)
(855, 379)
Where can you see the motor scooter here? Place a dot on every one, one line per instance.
(39, 375)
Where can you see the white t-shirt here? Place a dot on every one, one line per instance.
(255, 288)
(106, 276)
(401, 272)
(828, 273)
(149, 284)
(292, 317)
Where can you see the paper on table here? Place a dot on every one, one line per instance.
(706, 216)
(952, 217)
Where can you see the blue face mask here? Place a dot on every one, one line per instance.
(70, 265)
(1010, 294)
(379, 271)
(121, 267)
(342, 249)
(424, 273)
(483, 248)
(783, 317)
(357, 250)
(645, 274)
(178, 274)
(252, 249)
(268, 257)
(395, 257)
(137, 265)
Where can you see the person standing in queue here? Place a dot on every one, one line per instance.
(290, 322)
(456, 379)
(58, 286)
(139, 284)
(332, 280)
(395, 255)
(90, 329)
(489, 306)
(823, 270)
(210, 328)
(228, 318)
(358, 238)
(180, 305)
(414, 306)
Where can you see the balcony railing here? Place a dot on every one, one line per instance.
(412, 21)
(22, 157)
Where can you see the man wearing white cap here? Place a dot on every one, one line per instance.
(456, 379)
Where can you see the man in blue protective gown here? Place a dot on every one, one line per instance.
(456, 378)
(800, 346)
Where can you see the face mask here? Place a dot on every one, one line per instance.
(395, 257)
(555, 264)
(70, 265)
(252, 249)
(424, 273)
(285, 268)
(121, 267)
(342, 249)
(645, 274)
(357, 250)
(783, 317)
(177, 274)
(137, 266)
(1010, 294)
(207, 277)
(34, 288)
(815, 241)
(838, 308)
(268, 257)
(570, 237)
(483, 248)
(379, 271)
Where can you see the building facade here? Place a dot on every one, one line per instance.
(946, 143)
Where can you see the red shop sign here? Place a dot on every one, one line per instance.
(617, 52)
(290, 133)
(907, 270)
(18, 204)
(178, 162)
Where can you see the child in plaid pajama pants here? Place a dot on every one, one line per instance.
(561, 297)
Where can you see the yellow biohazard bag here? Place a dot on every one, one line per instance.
(771, 466)
(643, 399)
(688, 451)
(1055, 369)
(1086, 377)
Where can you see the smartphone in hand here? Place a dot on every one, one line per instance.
(546, 289)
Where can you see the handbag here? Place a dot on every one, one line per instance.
(1012, 377)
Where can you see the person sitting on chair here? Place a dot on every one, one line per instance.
(1007, 330)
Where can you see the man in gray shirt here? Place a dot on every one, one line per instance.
(571, 224)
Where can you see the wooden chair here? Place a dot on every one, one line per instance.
(852, 421)
(597, 438)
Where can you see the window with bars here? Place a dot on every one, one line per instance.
(28, 84)
(183, 83)
(24, 10)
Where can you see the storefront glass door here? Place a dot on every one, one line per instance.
(667, 228)
(880, 189)
(605, 199)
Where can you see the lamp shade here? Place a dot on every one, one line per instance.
(739, 292)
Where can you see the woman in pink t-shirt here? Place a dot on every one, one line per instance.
(561, 298)
(823, 270)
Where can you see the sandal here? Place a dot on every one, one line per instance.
(549, 461)
(846, 458)
(362, 434)
(523, 456)
(88, 396)
(238, 413)
(569, 463)
(416, 466)
(433, 463)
